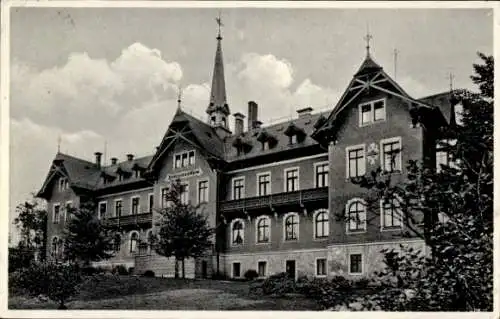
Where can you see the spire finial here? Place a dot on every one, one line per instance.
(219, 23)
(367, 38)
(59, 143)
(179, 96)
(451, 77)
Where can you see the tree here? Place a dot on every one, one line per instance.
(455, 206)
(183, 232)
(31, 221)
(85, 238)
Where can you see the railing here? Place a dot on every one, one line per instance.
(127, 220)
(280, 199)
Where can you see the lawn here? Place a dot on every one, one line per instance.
(140, 293)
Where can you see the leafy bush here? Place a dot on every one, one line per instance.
(278, 284)
(149, 273)
(57, 281)
(131, 270)
(251, 274)
(119, 270)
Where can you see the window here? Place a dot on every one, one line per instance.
(321, 174)
(264, 184)
(191, 158)
(184, 159)
(57, 247)
(265, 145)
(185, 194)
(292, 226)
(291, 179)
(356, 214)
(237, 232)
(293, 139)
(103, 207)
(63, 184)
(164, 197)
(443, 155)
(56, 216)
(137, 173)
(117, 243)
(371, 112)
(151, 202)
(355, 264)
(261, 268)
(68, 210)
(202, 191)
(321, 224)
(263, 229)
(118, 208)
(120, 177)
(321, 267)
(135, 205)
(355, 161)
(391, 154)
(391, 213)
(238, 188)
(150, 240)
(134, 237)
(236, 270)
(177, 161)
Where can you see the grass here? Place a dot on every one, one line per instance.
(140, 293)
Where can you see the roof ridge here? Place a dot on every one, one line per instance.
(74, 158)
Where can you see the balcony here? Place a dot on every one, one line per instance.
(275, 200)
(129, 220)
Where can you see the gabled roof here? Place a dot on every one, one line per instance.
(443, 102)
(192, 130)
(368, 66)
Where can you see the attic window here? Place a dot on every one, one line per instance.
(293, 139)
(242, 146)
(138, 173)
(265, 145)
(371, 112)
(63, 184)
(104, 180)
(295, 134)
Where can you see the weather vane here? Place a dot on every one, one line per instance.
(219, 23)
(179, 96)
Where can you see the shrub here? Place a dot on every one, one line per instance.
(251, 274)
(57, 281)
(131, 270)
(149, 273)
(120, 270)
(278, 284)
(20, 258)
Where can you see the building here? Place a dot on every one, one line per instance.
(272, 192)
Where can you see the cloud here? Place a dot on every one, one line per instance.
(128, 103)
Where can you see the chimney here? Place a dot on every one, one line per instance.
(98, 156)
(114, 160)
(252, 114)
(304, 112)
(130, 157)
(238, 123)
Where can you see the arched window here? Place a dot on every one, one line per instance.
(117, 243)
(321, 224)
(292, 226)
(356, 214)
(134, 237)
(237, 232)
(263, 229)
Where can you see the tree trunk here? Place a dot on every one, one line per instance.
(62, 306)
(176, 268)
(183, 269)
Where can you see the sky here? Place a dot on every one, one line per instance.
(96, 75)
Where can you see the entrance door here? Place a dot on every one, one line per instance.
(204, 267)
(290, 268)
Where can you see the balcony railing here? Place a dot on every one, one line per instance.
(281, 199)
(128, 220)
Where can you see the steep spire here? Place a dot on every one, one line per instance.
(218, 100)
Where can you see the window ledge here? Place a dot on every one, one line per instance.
(320, 238)
(355, 232)
(263, 243)
(388, 229)
(355, 273)
(320, 276)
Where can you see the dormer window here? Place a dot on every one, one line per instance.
(63, 184)
(137, 173)
(371, 112)
(295, 134)
(293, 139)
(104, 180)
(120, 177)
(265, 145)
(268, 141)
